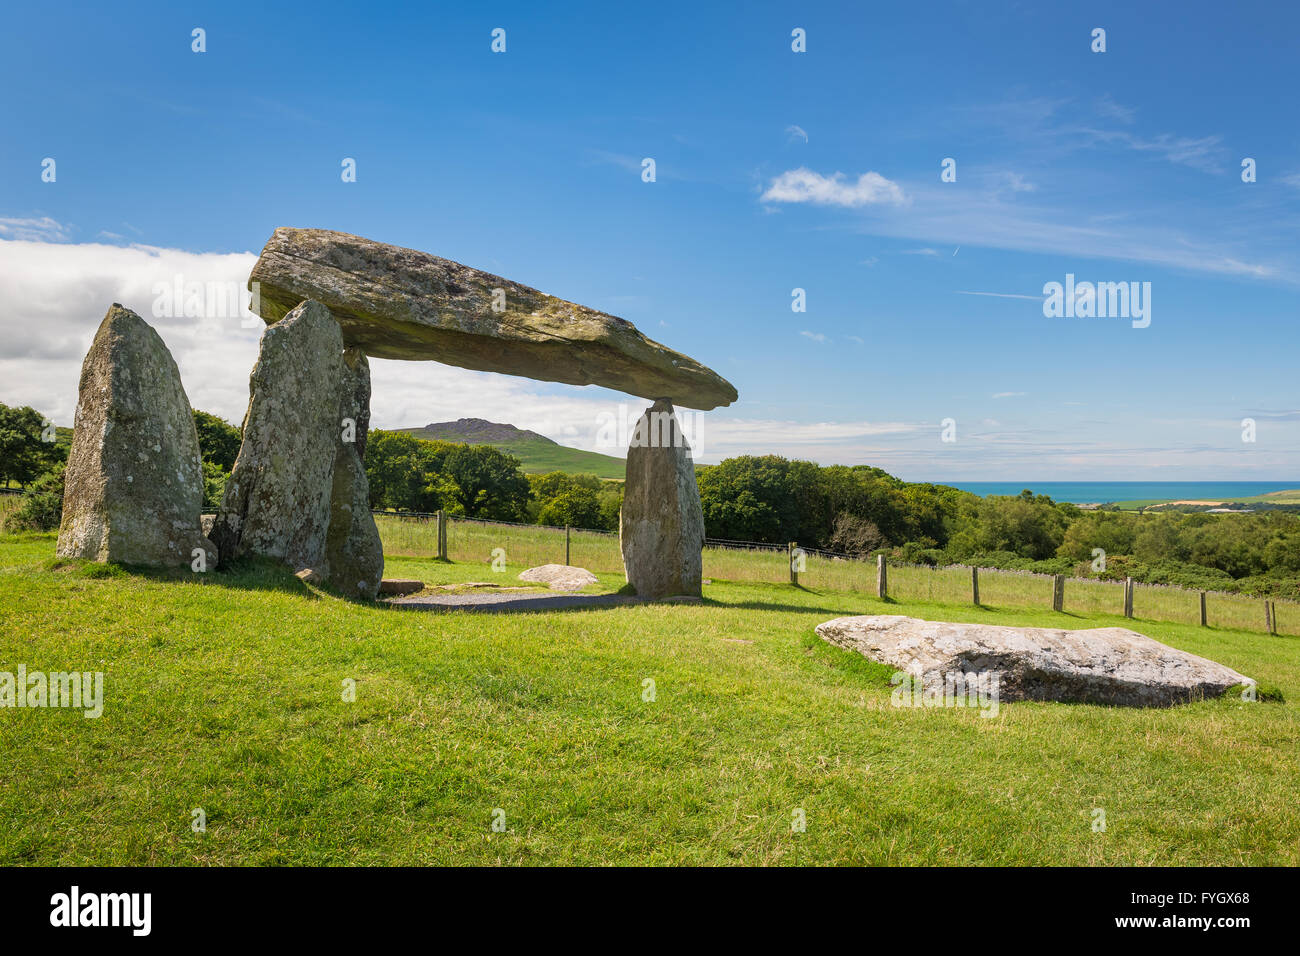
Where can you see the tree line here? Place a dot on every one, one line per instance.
(856, 510)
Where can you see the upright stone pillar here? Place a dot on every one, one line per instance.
(353, 551)
(133, 488)
(298, 491)
(661, 525)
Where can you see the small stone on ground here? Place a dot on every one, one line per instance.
(559, 577)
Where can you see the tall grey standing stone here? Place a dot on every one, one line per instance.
(298, 491)
(354, 553)
(134, 482)
(661, 525)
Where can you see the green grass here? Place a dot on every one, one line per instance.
(1289, 496)
(475, 542)
(224, 692)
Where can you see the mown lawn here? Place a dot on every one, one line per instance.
(224, 692)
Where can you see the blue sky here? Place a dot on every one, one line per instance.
(1115, 166)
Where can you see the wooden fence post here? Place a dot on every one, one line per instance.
(1128, 597)
(1058, 592)
(442, 535)
(1203, 609)
(566, 545)
(1268, 616)
(975, 586)
(882, 577)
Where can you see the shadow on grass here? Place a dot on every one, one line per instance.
(244, 574)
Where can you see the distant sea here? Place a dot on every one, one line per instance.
(1086, 492)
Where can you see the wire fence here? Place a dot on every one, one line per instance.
(478, 540)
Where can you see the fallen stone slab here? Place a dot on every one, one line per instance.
(399, 303)
(559, 577)
(400, 586)
(1106, 665)
(133, 488)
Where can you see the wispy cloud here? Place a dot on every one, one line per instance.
(803, 185)
(795, 134)
(1205, 153)
(815, 336)
(1008, 394)
(43, 229)
(1017, 183)
(1108, 108)
(1002, 295)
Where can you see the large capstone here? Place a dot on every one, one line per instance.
(1105, 665)
(298, 492)
(133, 488)
(661, 525)
(402, 304)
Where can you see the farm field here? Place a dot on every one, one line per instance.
(223, 692)
(531, 545)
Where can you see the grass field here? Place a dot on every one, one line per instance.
(1290, 496)
(474, 542)
(223, 692)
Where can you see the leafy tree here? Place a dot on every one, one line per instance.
(414, 474)
(489, 482)
(577, 506)
(42, 505)
(218, 440)
(214, 485)
(24, 451)
(1114, 532)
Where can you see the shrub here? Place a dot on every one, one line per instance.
(42, 507)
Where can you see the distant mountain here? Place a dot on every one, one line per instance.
(537, 453)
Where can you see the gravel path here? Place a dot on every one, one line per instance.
(489, 602)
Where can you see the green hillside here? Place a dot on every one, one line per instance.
(538, 453)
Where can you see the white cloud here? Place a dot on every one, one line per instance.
(795, 133)
(1007, 394)
(815, 336)
(1017, 183)
(53, 297)
(804, 185)
(44, 229)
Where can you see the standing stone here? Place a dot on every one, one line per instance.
(353, 551)
(661, 525)
(134, 483)
(298, 492)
